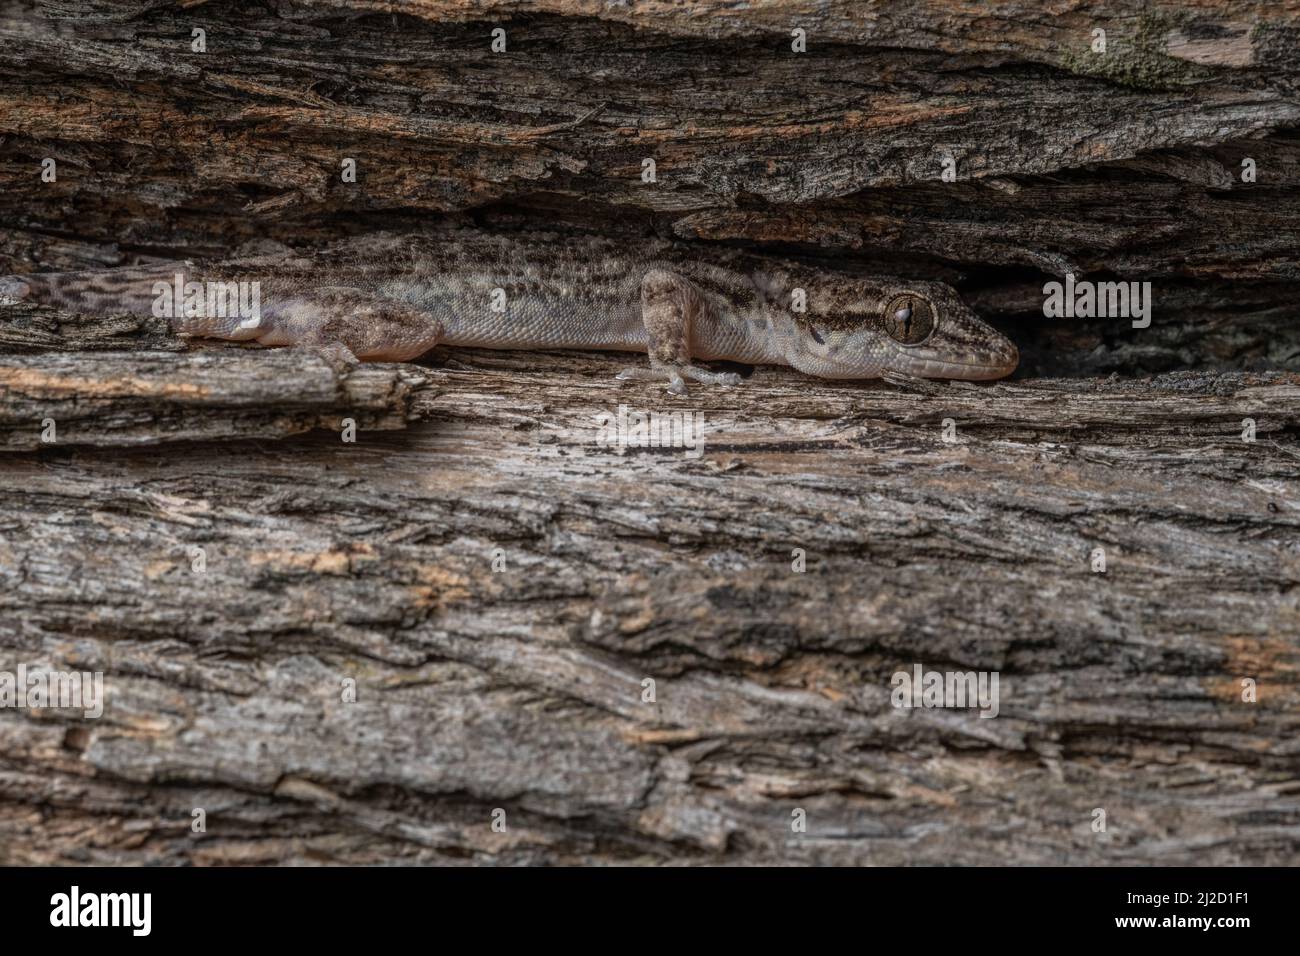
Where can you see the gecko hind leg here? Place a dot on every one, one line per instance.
(670, 306)
(346, 325)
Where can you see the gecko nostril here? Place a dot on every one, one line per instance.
(1005, 354)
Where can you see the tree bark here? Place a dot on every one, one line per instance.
(504, 593)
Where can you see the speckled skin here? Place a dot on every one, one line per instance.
(390, 298)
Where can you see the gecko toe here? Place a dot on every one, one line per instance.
(710, 378)
(336, 355)
(676, 375)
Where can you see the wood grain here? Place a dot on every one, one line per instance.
(520, 689)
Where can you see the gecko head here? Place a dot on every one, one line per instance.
(921, 329)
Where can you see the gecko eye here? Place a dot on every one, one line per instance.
(909, 319)
(817, 337)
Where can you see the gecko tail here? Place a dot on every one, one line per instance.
(130, 291)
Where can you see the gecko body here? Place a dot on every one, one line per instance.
(385, 298)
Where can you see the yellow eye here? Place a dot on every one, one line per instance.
(908, 318)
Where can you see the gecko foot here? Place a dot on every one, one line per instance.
(337, 356)
(675, 376)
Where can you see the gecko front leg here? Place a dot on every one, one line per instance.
(670, 305)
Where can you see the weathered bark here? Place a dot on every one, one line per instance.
(1127, 163)
(147, 398)
(499, 585)
(522, 688)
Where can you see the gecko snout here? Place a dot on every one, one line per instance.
(1000, 360)
(993, 356)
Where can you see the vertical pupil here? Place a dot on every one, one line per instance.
(906, 324)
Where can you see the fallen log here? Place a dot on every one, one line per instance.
(499, 587)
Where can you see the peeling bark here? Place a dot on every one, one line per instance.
(144, 399)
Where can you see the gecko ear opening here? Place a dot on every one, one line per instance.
(909, 318)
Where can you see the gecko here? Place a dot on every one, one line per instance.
(392, 298)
